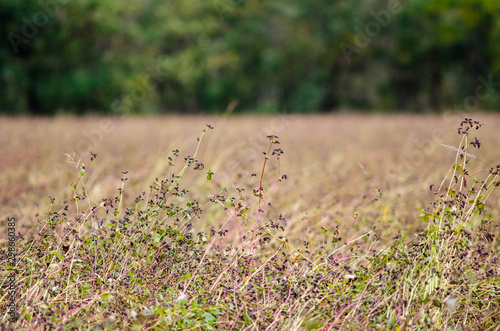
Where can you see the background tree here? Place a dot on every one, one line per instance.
(282, 55)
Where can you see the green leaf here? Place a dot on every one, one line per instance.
(59, 255)
(209, 317)
(247, 318)
(84, 292)
(106, 296)
(132, 276)
(186, 277)
(209, 176)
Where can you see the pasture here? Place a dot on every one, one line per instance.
(329, 229)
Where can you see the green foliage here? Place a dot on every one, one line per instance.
(193, 55)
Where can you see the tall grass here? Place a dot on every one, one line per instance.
(106, 265)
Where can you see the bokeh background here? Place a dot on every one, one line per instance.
(215, 56)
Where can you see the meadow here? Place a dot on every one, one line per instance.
(319, 222)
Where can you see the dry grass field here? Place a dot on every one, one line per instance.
(345, 174)
(333, 163)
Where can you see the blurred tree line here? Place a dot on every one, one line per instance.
(149, 56)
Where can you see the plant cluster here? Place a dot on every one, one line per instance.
(102, 265)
